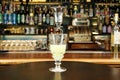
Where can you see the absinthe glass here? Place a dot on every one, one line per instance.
(58, 48)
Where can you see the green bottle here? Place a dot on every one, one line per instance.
(18, 14)
(1, 19)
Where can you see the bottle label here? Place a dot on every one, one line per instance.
(104, 29)
(14, 18)
(5, 18)
(18, 18)
(35, 19)
(60, 15)
(116, 37)
(23, 18)
(52, 20)
(27, 19)
(91, 13)
(97, 12)
(40, 19)
(47, 18)
(31, 21)
(56, 18)
(82, 11)
(44, 18)
(10, 19)
(109, 29)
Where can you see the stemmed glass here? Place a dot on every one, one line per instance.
(58, 48)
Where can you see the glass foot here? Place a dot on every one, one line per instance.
(57, 69)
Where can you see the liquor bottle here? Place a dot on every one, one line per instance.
(75, 10)
(86, 10)
(100, 24)
(5, 15)
(31, 21)
(59, 15)
(27, 14)
(100, 27)
(36, 15)
(115, 36)
(22, 13)
(81, 9)
(117, 10)
(97, 10)
(65, 11)
(10, 11)
(1, 18)
(40, 16)
(107, 15)
(70, 10)
(102, 13)
(14, 15)
(116, 39)
(111, 12)
(18, 14)
(48, 15)
(91, 11)
(44, 14)
(52, 20)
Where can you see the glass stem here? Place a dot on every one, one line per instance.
(57, 64)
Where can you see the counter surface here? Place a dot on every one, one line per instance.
(75, 71)
(100, 57)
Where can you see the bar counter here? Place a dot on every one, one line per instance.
(98, 57)
(75, 71)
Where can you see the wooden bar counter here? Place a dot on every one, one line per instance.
(98, 57)
(75, 71)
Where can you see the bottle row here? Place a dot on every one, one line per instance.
(45, 14)
(25, 14)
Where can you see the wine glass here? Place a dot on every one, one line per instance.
(58, 48)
